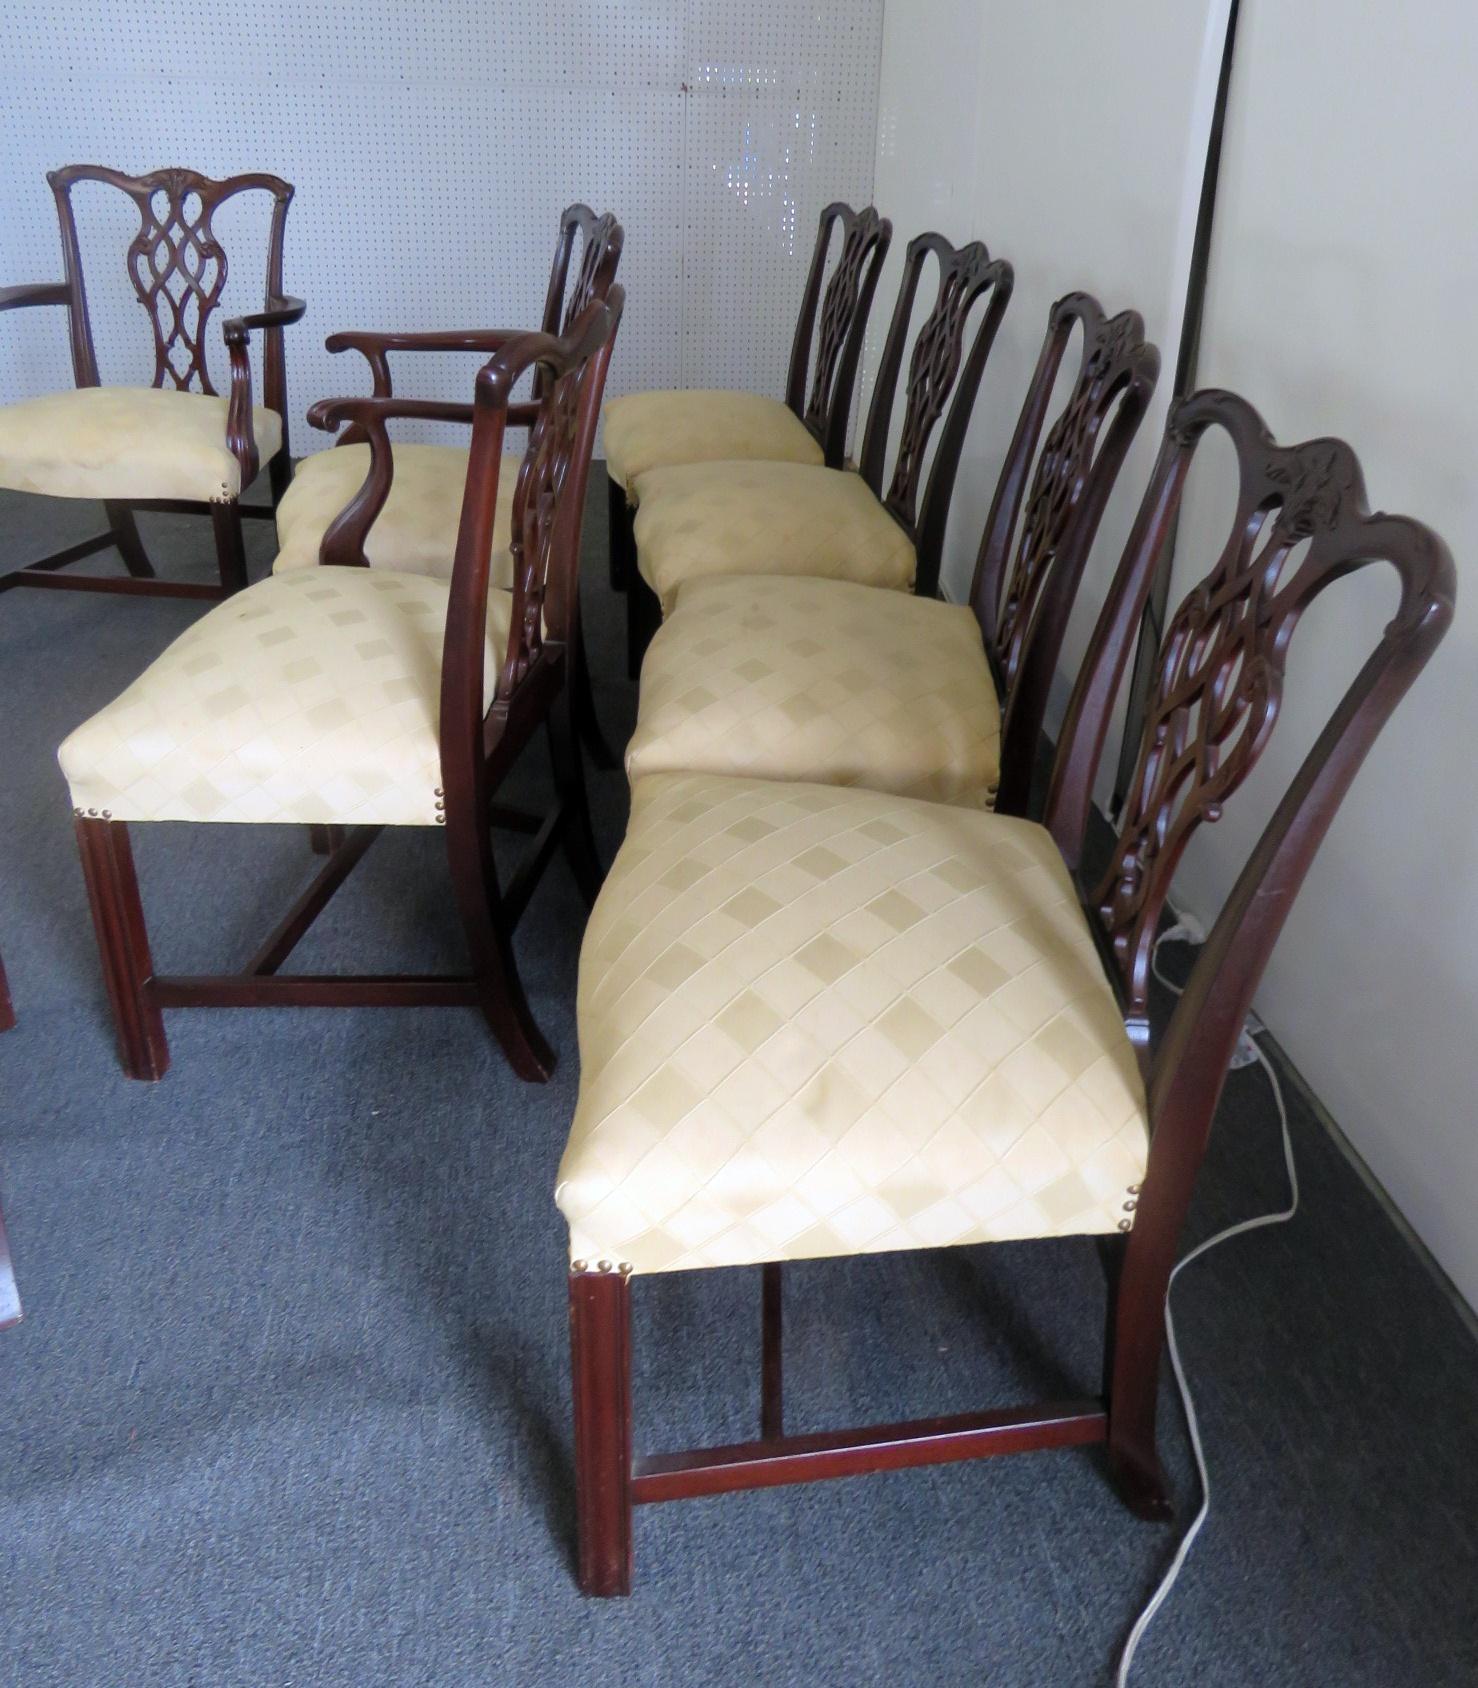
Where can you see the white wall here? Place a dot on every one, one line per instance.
(1070, 141)
(1341, 300)
(1343, 283)
(433, 144)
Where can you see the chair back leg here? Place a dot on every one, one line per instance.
(577, 835)
(123, 945)
(1138, 1281)
(230, 549)
(126, 537)
(279, 476)
(600, 1368)
(500, 991)
(621, 527)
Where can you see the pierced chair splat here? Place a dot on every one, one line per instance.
(174, 445)
(365, 698)
(780, 677)
(826, 1022)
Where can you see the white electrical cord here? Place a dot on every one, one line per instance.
(1282, 1216)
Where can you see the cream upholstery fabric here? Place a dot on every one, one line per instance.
(416, 532)
(820, 680)
(126, 442)
(765, 518)
(827, 1022)
(649, 430)
(312, 696)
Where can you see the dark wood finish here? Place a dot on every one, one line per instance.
(1301, 524)
(535, 688)
(774, 1463)
(178, 271)
(772, 1351)
(1036, 544)
(830, 329)
(7, 1008)
(600, 1368)
(938, 366)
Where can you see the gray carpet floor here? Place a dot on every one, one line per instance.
(289, 1405)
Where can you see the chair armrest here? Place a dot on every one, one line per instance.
(375, 346)
(240, 435)
(381, 408)
(279, 313)
(35, 293)
(344, 539)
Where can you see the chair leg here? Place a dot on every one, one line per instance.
(1136, 1344)
(500, 990)
(772, 1375)
(126, 538)
(325, 839)
(123, 944)
(230, 548)
(643, 618)
(7, 1008)
(586, 720)
(600, 1370)
(577, 835)
(279, 476)
(622, 538)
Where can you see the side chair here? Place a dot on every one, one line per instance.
(882, 525)
(791, 678)
(174, 445)
(824, 1022)
(365, 698)
(697, 425)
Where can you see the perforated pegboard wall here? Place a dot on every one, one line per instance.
(433, 145)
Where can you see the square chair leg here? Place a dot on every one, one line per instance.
(123, 945)
(600, 1366)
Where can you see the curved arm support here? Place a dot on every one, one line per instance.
(35, 293)
(240, 435)
(344, 539)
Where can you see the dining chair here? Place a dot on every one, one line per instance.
(175, 445)
(363, 503)
(361, 698)
(881, 525)
(811, 425)
(826, 1022)
(827, 681)
(415, 527)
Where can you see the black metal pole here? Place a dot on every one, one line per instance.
(1152, 627)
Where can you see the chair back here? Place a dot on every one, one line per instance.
(1301, 523)
(1036, 542)
(547, 519)
(177, 267)
(938, 366)
(601, 239)
(828, 346)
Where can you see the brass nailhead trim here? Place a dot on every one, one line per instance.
(579, 1266)
(1124, 1224)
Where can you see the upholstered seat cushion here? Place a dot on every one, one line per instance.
(126, 442)
(824, 681)
(826, 1022)
(649, 430)
(416, 532)
(311, 696)
(765, 518)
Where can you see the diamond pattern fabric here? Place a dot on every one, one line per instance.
(824, 681)
(825, 1022)
(126, 442)
(765, 519)
(648, 430)
(416, 532)
(310, 697)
